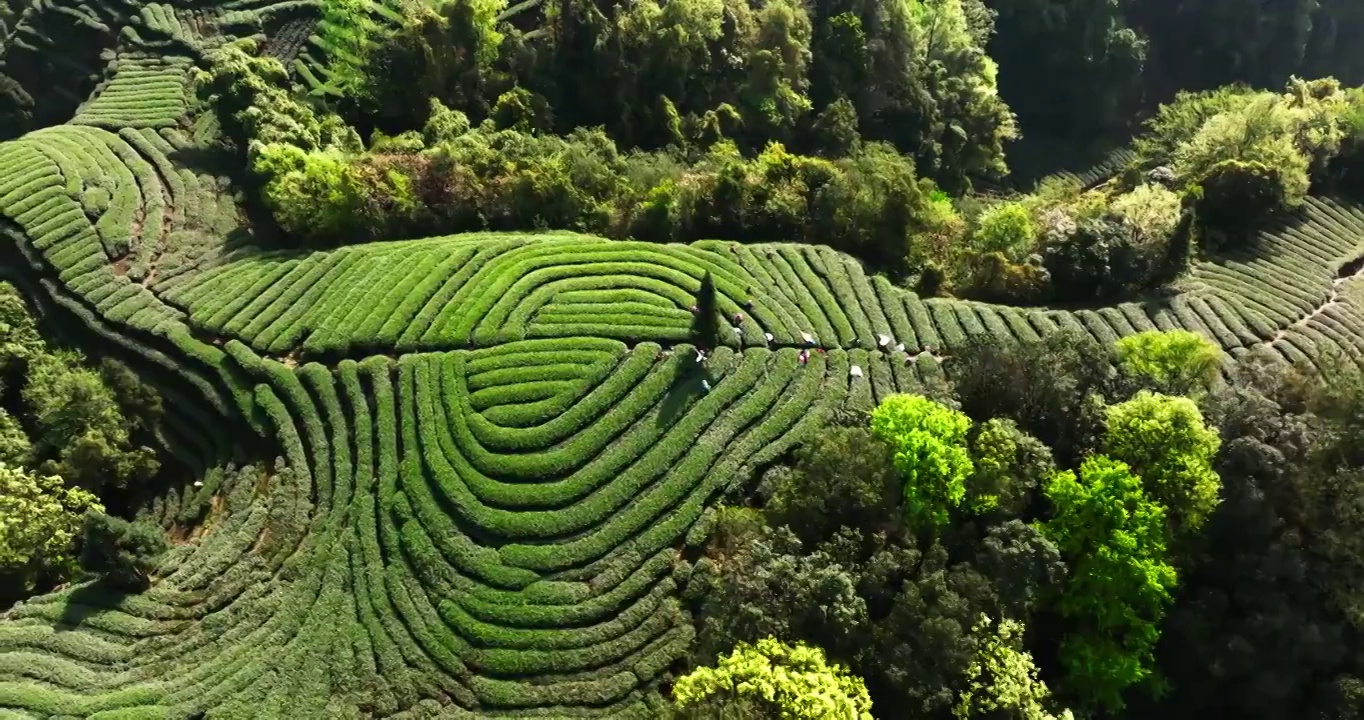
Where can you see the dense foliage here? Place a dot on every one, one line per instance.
(1146, 528)
(70, 437)
(773, 680)
(767, 121)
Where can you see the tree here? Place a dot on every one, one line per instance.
(1178, 362)
(844, 477)
(1006, 228)
(1236, 197)
(774, 680)
(1100, 259)
(705, 324)
(84, 436)
(254, 97)
(16, 450)
(1164, 440)
(40, 518)
(1003, 678)
(1152, 211)
(1070, 68)
(124, 552)
(1008, 464)
(1053, 389)
(929, 445)
(1120, 584)
(770, 583)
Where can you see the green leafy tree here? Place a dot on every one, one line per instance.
(706, 317)
(844, 477)
(1006, 228)
(1113, 537)
(40, 519)
(928, 440)
(1008, 465)
(83, 432)
(1178, 362)
(121, 551)
(1003, 678)
(1165, 441)
(773, 680)
(1153, 213)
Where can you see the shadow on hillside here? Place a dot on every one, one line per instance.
(88, 601)
(685, 390)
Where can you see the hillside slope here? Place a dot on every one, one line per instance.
(495, 450)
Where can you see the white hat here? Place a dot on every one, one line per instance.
(855, 371)
(884, 340)
(808, 337)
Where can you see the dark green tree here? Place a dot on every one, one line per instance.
(705, 324)
(123, 552)
(845, 477)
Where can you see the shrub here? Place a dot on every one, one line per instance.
(773, 679)
(1099, 260)
(124, 552)
(1006, 228)
(1262, 133)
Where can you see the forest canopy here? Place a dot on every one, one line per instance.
(876, 128)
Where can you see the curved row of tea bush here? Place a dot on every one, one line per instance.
(493, 448)
(485, 289)
(146, 91)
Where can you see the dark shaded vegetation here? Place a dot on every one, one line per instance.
(1225, 587)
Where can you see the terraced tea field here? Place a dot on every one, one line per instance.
(493, 450)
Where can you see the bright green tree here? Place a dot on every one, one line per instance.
(1003, 678)
(1006, 228)
(40, 518)
(773, 680)
(1113, 537)
(929, 445)
(1177, 361)
(1165, 441)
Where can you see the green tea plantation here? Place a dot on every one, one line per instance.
(456, 476)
